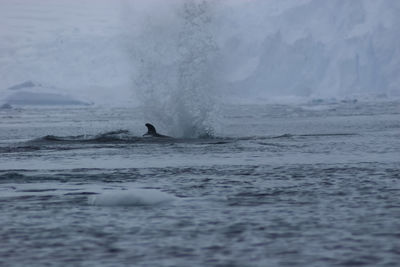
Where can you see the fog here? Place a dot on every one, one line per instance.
(137, 52)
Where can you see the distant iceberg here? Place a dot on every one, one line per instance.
(30, 93)
(27, 84)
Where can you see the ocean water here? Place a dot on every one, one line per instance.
(278, 185)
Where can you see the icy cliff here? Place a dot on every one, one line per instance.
(314, 48)
(266, 49)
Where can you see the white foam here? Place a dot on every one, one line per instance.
(131, 197)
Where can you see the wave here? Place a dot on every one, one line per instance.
(291, 136)
(131, 197)
(108, 137)
(125, 137)
(117, 137)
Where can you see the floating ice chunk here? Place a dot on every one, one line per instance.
(131, 197)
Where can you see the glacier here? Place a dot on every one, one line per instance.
(267, 50)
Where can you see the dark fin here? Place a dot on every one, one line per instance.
(151, 130)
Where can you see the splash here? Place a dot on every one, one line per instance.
(187, 51)
(175, 79)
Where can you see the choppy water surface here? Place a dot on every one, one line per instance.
(280, 185)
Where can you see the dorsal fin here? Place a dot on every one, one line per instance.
(151, 130)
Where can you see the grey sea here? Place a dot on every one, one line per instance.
(315, 184)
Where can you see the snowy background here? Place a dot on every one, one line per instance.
(271, 50)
